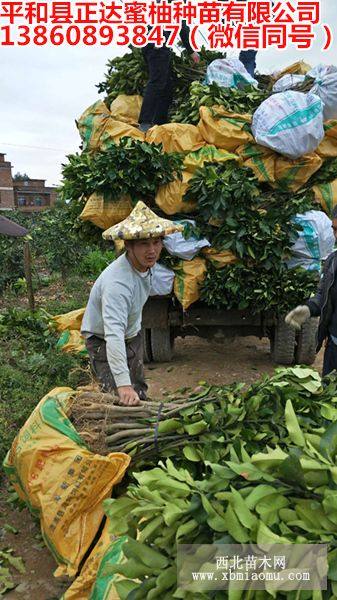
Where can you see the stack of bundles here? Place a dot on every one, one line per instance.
(249, 172)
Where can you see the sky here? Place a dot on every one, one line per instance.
(44, 89)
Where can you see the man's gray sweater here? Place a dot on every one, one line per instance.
(114, 312)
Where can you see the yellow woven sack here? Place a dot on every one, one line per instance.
(219, 258)
(98, 129)
(126, 108)
(115, 130)
(326, 195)
(91, 124)
(105, 214)
(298, 68)
(61, 481)
(224, 129)
(293, 174)
(189, 275)
(95, 582)
(208, 153)
(72, 341)
(176, 137)
(69, 320)
(169, 197)
(328, 146)
(270, 167)
(260, 159)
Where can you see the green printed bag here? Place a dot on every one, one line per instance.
(290, 123)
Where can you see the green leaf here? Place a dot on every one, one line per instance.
(332, 561)
(6, 581)
(215, 520)
(249, 471)
(328, 445)
(146, 532)
(328, 412)
(258, 493)
(266, 536)
(14, 561)
(125, 587)
(168, 425)
(192, 454)
(246, 518)
(186, 529)
(142, 552)
(196, 428)
(292, 425)
(268, 508)
(173, 513)
(234, 527)
(290, 470)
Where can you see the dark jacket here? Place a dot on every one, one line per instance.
(320, 305)
(184, 34)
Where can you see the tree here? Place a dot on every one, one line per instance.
(20, 177)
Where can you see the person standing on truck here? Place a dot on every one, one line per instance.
(158, 92)
(248, 59)
(111, 323)
(323, 305)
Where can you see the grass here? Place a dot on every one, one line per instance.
(30, 364)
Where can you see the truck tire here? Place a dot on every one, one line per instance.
(147, 353)
(283, 343)
(305, 352)
(162, 342)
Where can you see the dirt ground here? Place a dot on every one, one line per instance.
(245, 359)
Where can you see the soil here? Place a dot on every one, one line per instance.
(195, 360)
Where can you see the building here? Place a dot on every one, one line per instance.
(28, 195)
(32, 195)
(6, 185)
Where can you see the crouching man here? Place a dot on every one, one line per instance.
(111, 324)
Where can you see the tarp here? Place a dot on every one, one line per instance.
(8, 227)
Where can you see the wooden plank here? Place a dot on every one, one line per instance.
(28, 274)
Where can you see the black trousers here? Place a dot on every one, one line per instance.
(158, 93)
(330, 358)
(100, 367)
(248, 59)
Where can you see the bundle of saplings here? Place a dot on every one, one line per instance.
(261, 469)
(202, 423)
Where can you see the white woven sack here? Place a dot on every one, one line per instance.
(229, 73)
(177, 245)
(325, 87)
(287, 82)
(315, 240)
(290, 123)
(161, 281)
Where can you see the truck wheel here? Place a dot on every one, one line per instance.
(162, 342)
(147, 353)
(305, 352)
(283, 343)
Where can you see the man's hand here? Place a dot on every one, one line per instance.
(296, 317)
(195, 57)
(128, 396)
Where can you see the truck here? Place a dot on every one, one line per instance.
(164, 320)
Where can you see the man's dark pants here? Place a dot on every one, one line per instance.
(96, 347)
(330, 358)
(248, 59)
(159, 89)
